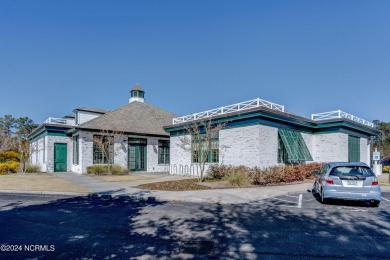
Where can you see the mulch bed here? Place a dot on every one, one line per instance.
(180, 185)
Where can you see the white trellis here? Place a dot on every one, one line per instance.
(229, 109)
(340, 114)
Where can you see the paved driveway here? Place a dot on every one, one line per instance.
(285, 227)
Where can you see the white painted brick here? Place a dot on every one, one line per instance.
(181, 158)
(309, 141)
(268, 146)
(120, 152)
(332, 147)
(152, 156)
(250, 146)
(51, 140)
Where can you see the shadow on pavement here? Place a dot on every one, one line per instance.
(90, 227)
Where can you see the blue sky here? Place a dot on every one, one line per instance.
(190, 56)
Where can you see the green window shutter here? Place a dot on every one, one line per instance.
(295, 147)
(353, 149)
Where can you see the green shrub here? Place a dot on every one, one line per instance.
(9, 156)
(97, 169)
(238, 177)
(386, 168)
(119, 170)
(32, 168)
(90, 169)
(9, 167)
(101, 169)
(3, 168)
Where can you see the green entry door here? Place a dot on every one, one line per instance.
(60, 157)
(137, 154)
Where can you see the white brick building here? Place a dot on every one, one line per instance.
(259, 133)
(140, 142)
(256, 133)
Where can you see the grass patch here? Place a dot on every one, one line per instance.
(38, 182)
(180, 185)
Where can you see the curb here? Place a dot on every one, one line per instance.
(50, 193)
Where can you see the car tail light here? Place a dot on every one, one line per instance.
(374, 182)
(329, 180)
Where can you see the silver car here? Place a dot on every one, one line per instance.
(347, 181)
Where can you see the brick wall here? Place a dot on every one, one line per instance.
(332, 147)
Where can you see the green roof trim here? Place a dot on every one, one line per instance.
(296, 148)
(279, 120)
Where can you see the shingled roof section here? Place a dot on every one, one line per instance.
(90, 109)
(137, 87)
(135, 117)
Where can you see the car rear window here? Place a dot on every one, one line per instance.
(358, 171)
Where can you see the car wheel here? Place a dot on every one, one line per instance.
(314, 190)
(323, 200)
(375, 203)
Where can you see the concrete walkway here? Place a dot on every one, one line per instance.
(90, 183)
(102, 188)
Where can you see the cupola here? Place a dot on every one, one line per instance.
(137, 94)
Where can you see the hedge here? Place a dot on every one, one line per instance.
(101, 169)
(8, 167)
(9, 156)
(265, 176)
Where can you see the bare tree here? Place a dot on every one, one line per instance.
(24, 126)
(7, 142)
(105, 142)
(200, 141)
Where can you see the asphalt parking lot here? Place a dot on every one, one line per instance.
(306, 200)
(294, 226)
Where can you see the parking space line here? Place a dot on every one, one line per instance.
(300, 201)
(385, 199)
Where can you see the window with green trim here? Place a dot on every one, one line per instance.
(75, 149)
(205, 150)
(103, 149)
(353, 149)
(163, 152)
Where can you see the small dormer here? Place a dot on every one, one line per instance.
(85, 114)
(137, 94)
